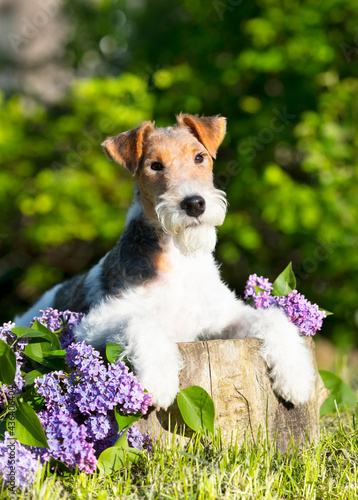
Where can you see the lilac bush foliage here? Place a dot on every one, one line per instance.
(78, 413)
(306, 316)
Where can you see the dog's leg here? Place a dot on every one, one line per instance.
(151, 351)
(155, 359)
(282, 347)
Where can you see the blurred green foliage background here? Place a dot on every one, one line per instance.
(284, 73)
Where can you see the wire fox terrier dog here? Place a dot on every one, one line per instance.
(160, 284)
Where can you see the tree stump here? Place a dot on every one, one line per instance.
(236, 377)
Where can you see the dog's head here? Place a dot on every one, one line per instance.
(173, 169)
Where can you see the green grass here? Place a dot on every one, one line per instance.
(205, 469)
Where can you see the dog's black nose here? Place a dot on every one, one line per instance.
(193, 205)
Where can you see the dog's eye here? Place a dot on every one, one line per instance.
(199, 158)
(157, 166)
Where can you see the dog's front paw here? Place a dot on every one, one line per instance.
(162, 387)
(293, 379)
(294, 387)
(287, 356)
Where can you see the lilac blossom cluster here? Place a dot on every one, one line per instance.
(67, 440)
(78, 415)
(84, 401)
(306, 316)
(63, 322)
(136, 439)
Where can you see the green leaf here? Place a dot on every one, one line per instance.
(285, 282)
(42, 353)
(32, 398)
(114, 459)
(59, 468)
(21, 331)
(122, 441)
(2, 429)
(113, 352)
(258, 289)
(40, 327)
(340, 392)
(197, 408)
(28, 429)
(31, 376)
(59, 353)
(25, 332)
(38, 331)
(7, 363)
(328, 313)
(124, 421)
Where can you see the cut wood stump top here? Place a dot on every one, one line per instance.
(237, 378)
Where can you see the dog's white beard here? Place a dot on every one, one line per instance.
(191, 235)
(192, 239)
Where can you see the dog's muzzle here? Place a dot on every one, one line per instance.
(194, 206)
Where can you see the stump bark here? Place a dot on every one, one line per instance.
(236, 377)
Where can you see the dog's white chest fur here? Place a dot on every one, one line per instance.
(187, 296)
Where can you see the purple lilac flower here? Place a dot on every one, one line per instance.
(26, 464)
(49, 318)
(112, 433)
(94, 388)
(258, 281)
(62, 322)
(301, 312)
(49, 387)
(306, 316)
(71, 320)
(5, 333)
(263, 300)
(136, 439)
(67, 440)
(88, 395)
(98, 426)
(10, 338)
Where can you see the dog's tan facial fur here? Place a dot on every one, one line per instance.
(175, 148)
(127, 148)
(176, 151)
(209, 130)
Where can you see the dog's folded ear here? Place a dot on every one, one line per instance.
(127, 148)
(209, 130)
